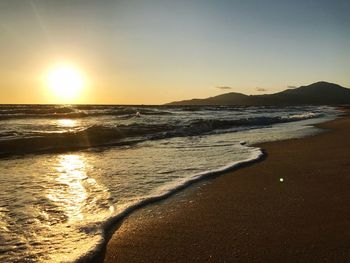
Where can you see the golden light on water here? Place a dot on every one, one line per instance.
(75, 193)
(65, 81)
(71, 174)
(66, 123)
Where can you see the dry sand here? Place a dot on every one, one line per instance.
(249, 215)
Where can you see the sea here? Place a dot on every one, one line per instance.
(70, 173)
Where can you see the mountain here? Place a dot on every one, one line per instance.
(319, 93)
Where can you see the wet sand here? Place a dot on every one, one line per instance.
(249, 215)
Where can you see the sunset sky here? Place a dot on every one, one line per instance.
(153, 51)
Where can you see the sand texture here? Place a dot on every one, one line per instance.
(249, 215)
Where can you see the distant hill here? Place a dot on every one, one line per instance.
(319, 93)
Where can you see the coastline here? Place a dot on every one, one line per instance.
(250, 215)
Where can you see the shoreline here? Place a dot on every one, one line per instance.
(153, 214)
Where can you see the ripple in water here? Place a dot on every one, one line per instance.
(54, 207)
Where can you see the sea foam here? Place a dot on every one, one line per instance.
(62, 205)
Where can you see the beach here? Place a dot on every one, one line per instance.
(174, 131)
(293, 206)
(80, 170)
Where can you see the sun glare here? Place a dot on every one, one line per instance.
(65, 82)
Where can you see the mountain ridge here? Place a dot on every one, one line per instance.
(318, 93)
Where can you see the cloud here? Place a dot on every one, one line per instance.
(291, 87)
(224, 87)
(260, 89)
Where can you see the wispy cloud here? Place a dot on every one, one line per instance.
(224, 87)
(261, 89)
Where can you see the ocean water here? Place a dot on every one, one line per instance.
(68, 173)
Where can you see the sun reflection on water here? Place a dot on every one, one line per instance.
(67, 123)
(70, 193)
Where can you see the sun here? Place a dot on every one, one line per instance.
(65, 82)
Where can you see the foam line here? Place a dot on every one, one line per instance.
(107, 228)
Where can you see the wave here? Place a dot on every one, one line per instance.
(106, 230)
(99, 135)
(35, 110)
(56, 112)
(51, 142)
(203, 126)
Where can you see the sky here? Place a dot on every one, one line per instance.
(153, 51)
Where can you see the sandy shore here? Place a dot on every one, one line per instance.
(249, 215)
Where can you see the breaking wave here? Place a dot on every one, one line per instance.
(106, 135)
